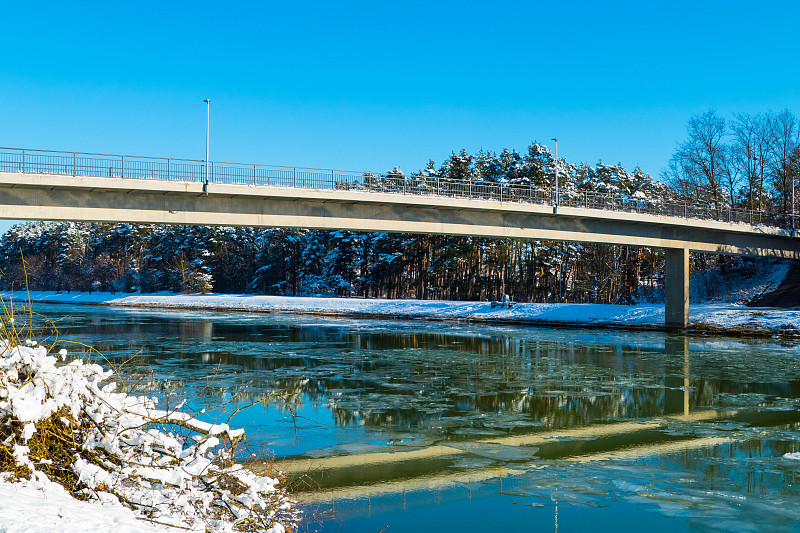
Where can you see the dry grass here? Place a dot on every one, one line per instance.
(61, 440)
(53, 449)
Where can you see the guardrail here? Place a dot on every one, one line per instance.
(79, 164)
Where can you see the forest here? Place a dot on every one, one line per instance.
(749, 162)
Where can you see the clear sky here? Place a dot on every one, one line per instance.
(371, 85)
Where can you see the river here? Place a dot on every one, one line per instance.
(489, 428)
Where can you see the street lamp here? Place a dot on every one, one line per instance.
(208, 114)
(555, 206)
(793, 228)
(755, 195)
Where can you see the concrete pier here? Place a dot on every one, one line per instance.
(676, 288)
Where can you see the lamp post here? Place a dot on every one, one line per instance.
(752, 184)
(555, 205)
(793, 228)
(208, 114)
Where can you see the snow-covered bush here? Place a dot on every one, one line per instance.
(68, 423)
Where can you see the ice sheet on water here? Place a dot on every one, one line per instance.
(713, 501)
(348, 448)
(477, 432)
(472, 463)
(746, 399)
(513, 421)
(568, 438)
(497, 451)
(409, 441)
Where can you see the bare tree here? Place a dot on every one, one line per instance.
(753, 150)
(732, 176)
(699, 166)
(785, 134)
(765, 141)
(794, 178)
(743, 152)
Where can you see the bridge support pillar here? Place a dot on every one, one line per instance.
(676, 288)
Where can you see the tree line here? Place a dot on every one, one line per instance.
(69, 256)
(750, 162)
(713, 164)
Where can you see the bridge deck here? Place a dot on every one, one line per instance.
(57, 197)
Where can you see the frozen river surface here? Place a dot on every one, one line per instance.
(461, 427)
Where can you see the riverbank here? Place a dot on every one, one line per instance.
(65, 431)
(717, 317)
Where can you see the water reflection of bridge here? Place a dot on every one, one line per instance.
(590, 396)
(597, 396)
(452, 483)
(467, 469)
(352, 485)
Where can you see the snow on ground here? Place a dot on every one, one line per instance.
(739, 285)
(128, 456)
(716, 315)
(44, 506)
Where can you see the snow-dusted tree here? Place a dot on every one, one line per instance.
(342, 262)
(459, 166)
(277, 264)
(538, 166)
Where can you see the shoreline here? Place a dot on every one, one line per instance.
(705, 318)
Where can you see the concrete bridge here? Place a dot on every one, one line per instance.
(43, 185)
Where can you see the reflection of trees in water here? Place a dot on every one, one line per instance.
(433, 379)
(397, 389)
(380, 390)
(753, 466)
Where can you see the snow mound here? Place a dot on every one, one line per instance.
(739, 282)
(63, 422)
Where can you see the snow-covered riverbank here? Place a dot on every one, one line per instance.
(140, 466)
(722, 316)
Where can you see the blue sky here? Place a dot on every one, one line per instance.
(371, 85)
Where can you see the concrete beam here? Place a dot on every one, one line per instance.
(676, 288)
(41, 197)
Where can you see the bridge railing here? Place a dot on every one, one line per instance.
(80, 164)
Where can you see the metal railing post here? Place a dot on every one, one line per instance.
(333, 179)
(212, 179)
(74, 166)
(123, 166)
(169, 165)
(255, 178)
(294, 176)
(23, 160)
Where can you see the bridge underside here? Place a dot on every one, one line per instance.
(44, 197)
